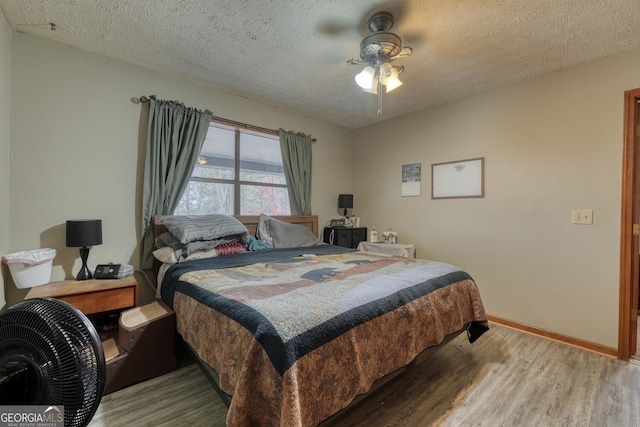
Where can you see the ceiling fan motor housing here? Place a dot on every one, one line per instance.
(379, 47)
(381, 21)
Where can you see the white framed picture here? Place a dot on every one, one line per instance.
(457, 180)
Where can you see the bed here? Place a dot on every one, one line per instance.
(292, 335)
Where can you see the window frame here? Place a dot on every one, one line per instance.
(238, 129)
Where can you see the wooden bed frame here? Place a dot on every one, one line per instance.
(251, 222)
(310, 221)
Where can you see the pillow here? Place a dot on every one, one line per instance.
(262, 233)
(166, 255)
(285, 235)
(190, 228)
(168, 239)
(202, 254)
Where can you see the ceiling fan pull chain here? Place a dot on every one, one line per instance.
(379, 98)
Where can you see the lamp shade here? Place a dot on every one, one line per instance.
(84, 232)
(345, 201)
(374, 86)
(365, 77)
(389, 76)
(392, 83)
(387, 72)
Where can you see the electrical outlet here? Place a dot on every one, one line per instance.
(582, 216)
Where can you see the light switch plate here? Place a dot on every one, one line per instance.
(582, 216)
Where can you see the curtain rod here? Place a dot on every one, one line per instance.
(247, 126)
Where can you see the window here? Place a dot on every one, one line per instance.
(239, 172)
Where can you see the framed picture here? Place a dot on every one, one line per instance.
(457, 180)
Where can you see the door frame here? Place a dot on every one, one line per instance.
(629, 243)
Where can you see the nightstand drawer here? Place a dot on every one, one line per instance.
(343, 237)
(95, 302)
(359, 235)
(91, 296)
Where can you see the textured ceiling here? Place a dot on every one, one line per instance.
(292, 54)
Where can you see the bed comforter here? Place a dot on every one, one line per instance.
(296, 334)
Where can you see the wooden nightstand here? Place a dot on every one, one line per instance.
(91, 296)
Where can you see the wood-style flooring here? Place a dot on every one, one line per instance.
(506, 378)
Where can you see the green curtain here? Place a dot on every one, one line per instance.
(296, 158)
(175, 135)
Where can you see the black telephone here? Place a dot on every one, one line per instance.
(107, 271)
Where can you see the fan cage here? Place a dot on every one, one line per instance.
(63, 347)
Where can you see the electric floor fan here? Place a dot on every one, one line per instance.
(51, 354)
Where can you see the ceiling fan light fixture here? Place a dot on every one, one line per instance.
(392, 83)
(374, 86)
(387, 73)
(377, 51)
(365, 78)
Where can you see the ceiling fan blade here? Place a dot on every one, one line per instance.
(334, 27)
(415, 39)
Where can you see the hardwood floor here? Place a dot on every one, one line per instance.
(506, 378)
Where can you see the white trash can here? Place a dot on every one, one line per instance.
(30, 268)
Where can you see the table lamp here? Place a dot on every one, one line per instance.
(345, 201)
(82, 233)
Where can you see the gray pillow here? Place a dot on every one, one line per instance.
(262, 232)
(191, 228)
(168, 239)
(286, 235)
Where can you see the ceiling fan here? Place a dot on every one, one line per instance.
(377, 51)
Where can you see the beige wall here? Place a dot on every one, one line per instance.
(552, 144)
(75, 151)
(5, 104)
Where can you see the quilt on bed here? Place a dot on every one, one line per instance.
(295, 334)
